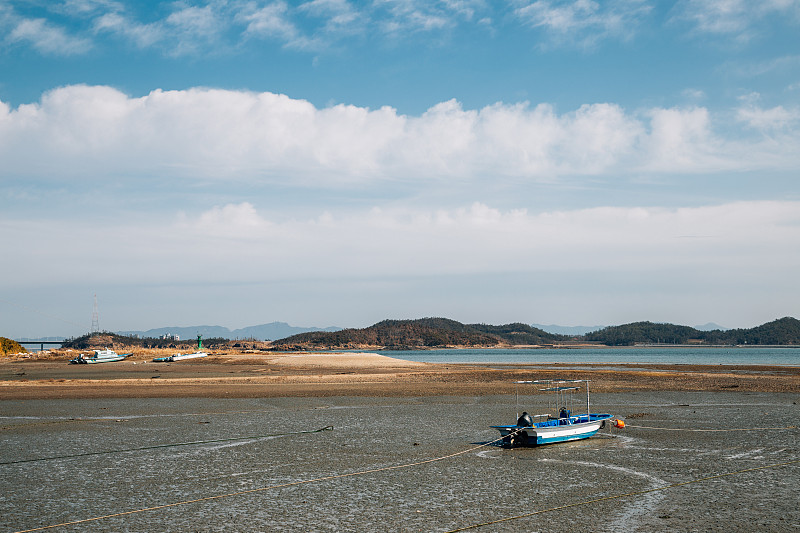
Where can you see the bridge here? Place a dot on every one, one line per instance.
(40, 343)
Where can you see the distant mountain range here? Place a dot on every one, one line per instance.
(572, 331)
(263, 332)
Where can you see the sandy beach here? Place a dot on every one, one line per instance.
(244, 375)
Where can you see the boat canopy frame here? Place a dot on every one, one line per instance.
(563, 400)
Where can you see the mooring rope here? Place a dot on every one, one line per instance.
(171, 445)
(618, 496)
(710, 430)
(109, 419)
(47, 422)
(270, 487)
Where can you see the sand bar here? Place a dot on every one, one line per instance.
(243, 375)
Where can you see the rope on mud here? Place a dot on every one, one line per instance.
(172, 445)
(618, 496)
(108, 419)
(270, 487)
(47, 422)
(710, 430)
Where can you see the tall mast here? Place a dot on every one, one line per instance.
(95, 317)
(588, 418)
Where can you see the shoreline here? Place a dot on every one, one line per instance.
(245, 375)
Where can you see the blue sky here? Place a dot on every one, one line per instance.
(337, 163)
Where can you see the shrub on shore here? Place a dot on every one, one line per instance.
(8, 346)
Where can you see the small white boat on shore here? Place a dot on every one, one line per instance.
(552, 428)
(179, 357)
(100, 356)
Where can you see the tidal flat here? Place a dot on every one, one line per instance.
(258, 464)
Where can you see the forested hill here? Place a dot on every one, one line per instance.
(8, 346)
(420, 334)
(428, 333)
(441, 332)
(784, 331)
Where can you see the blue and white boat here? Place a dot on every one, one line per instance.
(100, 356)
(552, 428)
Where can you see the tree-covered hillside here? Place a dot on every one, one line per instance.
(421, 333)
(93, 341)
(8, 346)
(785, 331)
(644, 333)
(520, 334)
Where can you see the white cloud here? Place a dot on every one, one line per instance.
(90, 133)
(411, 16)
(777, 118)
(271, 21)
(184, 31)
(681, 140)
(142, 35)
(737, 18)
(694, 95)
(341, 17)
(47, 38)
(585, 22)
(236, 243)
(191, 28)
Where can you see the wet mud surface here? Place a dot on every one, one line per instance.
(485, 484)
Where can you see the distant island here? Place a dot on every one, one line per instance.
(429, 333)
(432, 333)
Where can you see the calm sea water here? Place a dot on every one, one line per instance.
(663, 355)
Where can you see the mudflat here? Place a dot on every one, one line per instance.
(271, 375)
(686, 461)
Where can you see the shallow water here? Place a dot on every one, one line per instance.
(678, 355)
(486, 484)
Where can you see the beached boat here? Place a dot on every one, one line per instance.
(182, 356)
(551, 428)
(100, 356)
(179, 357)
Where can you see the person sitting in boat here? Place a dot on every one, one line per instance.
(525, 420)
(565, 413)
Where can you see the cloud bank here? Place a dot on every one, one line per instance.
(238, 243)
(92, 132)
(239, 264)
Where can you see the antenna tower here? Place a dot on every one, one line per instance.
(95, 317)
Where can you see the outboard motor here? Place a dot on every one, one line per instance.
(525, 420)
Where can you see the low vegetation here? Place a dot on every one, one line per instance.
(8, 346)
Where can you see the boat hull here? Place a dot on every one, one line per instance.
(196, 355)
(179, 357)
(95, 360)
(554, 431)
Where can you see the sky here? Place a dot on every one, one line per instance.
(337, 163)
